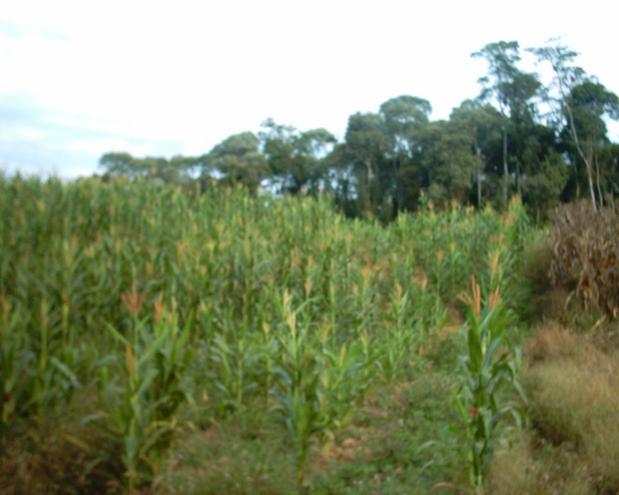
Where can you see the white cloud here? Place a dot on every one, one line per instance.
(192, 73)
(98, 146)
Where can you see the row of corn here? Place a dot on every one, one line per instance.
(156, 299)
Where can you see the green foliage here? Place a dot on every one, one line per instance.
(175, 170)
(16, 380)
(579, 103)
(295, 158)
(544, 144)
(315, 387)
(191, 309)
(488, 365)
(239, 159)
(139, 415)
(492, 358)
(403, 442)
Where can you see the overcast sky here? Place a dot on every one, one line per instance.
(80, 78)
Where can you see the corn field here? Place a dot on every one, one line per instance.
(159, 309)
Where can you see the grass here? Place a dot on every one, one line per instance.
(528, 464)
(574, 400)
(399, 441)
(59, 454)
(572, 446)
(241, 454)
(407, 442)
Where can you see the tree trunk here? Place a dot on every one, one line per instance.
(581, 153)
(589, 167)
(505, 171)
(371, 200)
(597, 180)
(479, 174)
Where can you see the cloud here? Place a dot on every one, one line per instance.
(9, 29)
(34, 139)
(178, 78)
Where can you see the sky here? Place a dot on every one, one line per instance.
(82, 78)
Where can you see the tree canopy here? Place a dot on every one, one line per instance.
(517, 136)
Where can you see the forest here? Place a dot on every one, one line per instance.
(545, 143)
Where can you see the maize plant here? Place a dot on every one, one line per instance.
(297, 391)
(488, 365)
(397, 350)
(17, 363)
(344, 381)
(316, 384)
(232, 367)
(54, 380)
(294, 305)
(139, 409)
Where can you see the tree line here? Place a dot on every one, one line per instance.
(545, 143)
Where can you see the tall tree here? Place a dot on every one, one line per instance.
(405, 120)
(513, 90)
(590, 102)
(579, 104)
(121, 163)
(239, 159)
(449, 162)
(295, 158)
(380, 159)
(363, 155)
(176, 170)
(481, 125)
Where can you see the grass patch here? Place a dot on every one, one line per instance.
(58, 455)
(528, 465)
(572, 386)
(404, 441)
(242, 455)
